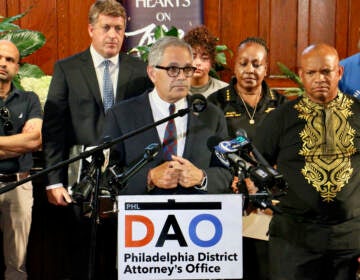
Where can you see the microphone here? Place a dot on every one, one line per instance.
(236, 153)
(242, 133)
(198, 103)
(151, 151)
(224, 149)
(81, 191)
(228, 153)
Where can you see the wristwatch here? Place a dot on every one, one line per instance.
(203, 184)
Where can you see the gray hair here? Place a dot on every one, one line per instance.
(157, 50)
(108, 8)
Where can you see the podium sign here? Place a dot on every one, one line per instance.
(180, 237)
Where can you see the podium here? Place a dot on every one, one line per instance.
(180, 237)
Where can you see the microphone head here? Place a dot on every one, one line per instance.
(241, 132)
(152, 150)
(198, 103)
(213, 143)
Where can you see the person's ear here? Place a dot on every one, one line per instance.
(151, 73)
(341, 71)
(301, 72)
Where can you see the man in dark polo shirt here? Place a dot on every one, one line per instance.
(20, 134)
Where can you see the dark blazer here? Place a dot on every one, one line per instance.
(200, 127)
(74, 113)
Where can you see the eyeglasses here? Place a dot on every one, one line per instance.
(5, 116)
(174, 71)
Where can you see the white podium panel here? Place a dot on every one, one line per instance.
(180, 237)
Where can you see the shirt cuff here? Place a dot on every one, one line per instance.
(54, 186)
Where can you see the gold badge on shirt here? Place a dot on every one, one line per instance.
(232, 114)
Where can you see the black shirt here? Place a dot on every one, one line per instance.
(22, 105)
(235, 112)
(316, 148)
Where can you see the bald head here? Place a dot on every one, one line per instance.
(9, 62)
(320, 72)
(321, 50)
(10, 47)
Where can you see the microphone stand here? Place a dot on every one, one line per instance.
(151, 151)
(91, 152)
(98, 157)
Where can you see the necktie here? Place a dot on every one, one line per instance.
(170, 137)
(108, 90)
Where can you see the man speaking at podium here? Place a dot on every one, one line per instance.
(184, 164)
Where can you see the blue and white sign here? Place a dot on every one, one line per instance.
(180, 237)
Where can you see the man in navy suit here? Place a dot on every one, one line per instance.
(74, 113)
(74, 110)
(191, 167)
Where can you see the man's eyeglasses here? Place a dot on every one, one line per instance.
(5, 116)
(174, 71)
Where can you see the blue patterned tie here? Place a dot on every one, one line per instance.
(170, 137)
(108, 90)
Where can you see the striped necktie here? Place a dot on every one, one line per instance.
(170, 137)
(108, 90)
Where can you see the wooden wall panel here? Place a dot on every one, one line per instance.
(212, 17)
(2, 8)
(12, 7)
(354, 27)
(322, 21)
(302, 30)
(287, 25)
(239, 19)
(264, 20)
(341, 27)
(75, 33)
(282, 38)
(36, 19)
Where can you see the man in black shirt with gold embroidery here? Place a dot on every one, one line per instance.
(315, 142)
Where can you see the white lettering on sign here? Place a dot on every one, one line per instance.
(163, 3)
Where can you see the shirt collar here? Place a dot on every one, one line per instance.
(163, 106)
(98, 59)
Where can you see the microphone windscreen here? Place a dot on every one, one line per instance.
(198, 103)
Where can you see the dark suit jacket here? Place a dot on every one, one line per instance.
(201, 126)
(74, 113)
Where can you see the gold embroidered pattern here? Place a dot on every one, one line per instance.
(327, 143)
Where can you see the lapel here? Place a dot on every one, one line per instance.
(88, 73)
(125, 72)
(145, 116)
(190, 142)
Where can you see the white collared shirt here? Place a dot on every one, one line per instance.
(160, 110)
(99, 69)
